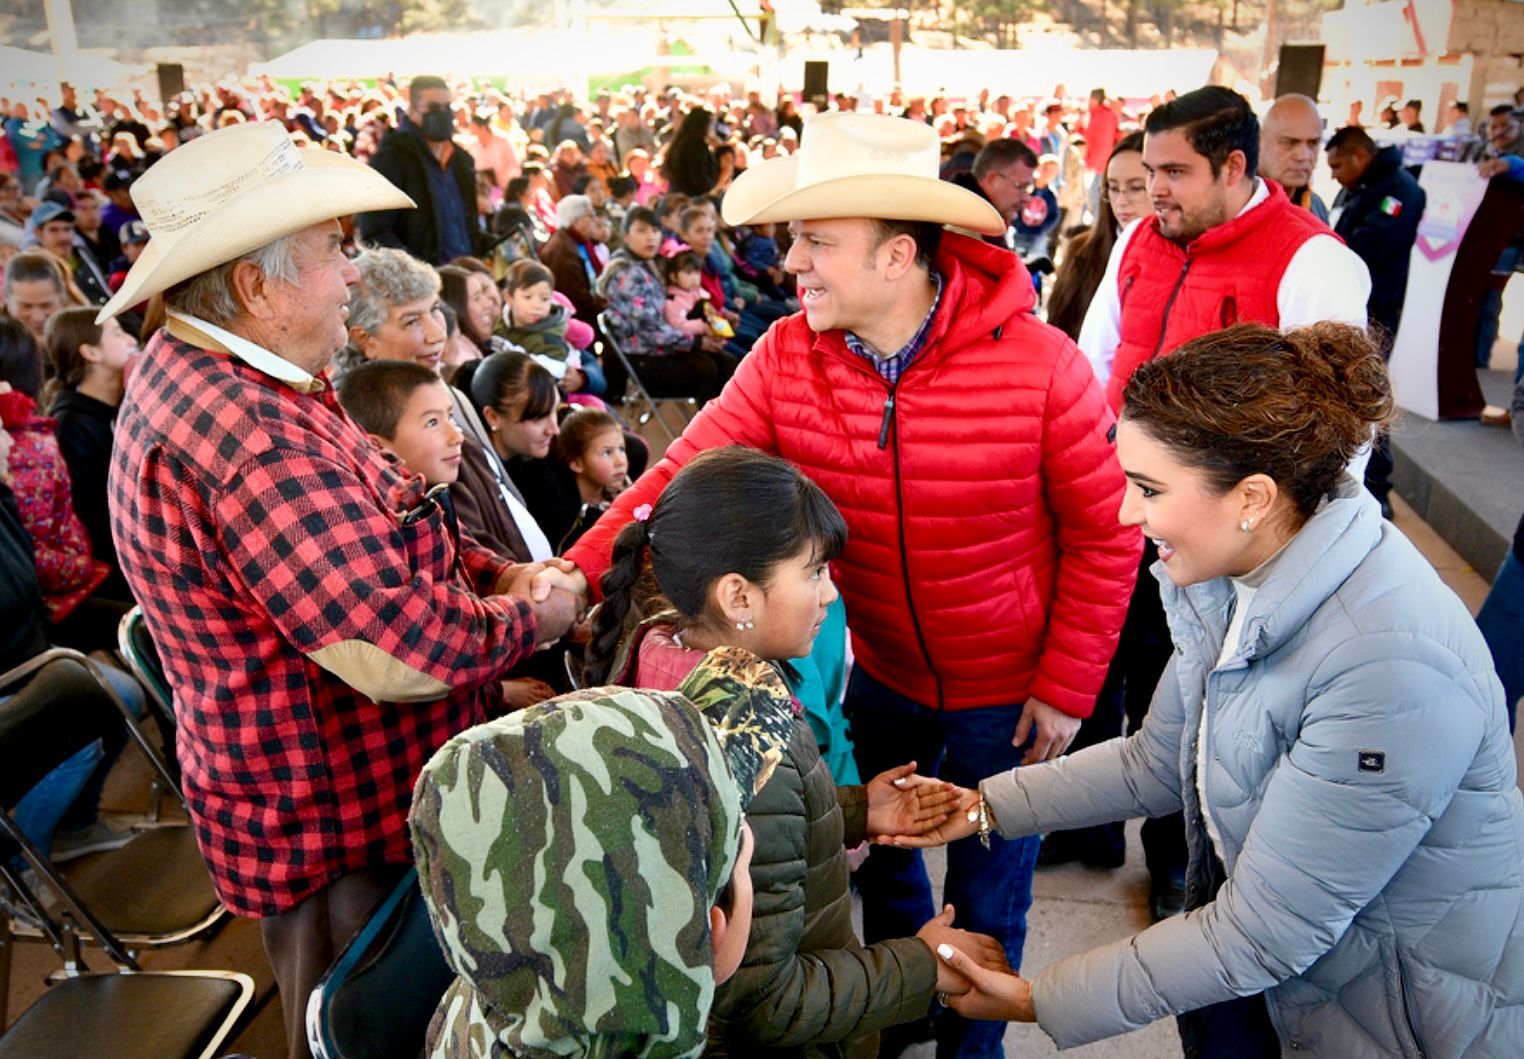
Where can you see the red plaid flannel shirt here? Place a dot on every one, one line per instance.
(257, 525)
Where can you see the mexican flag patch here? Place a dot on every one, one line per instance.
(1390, 206)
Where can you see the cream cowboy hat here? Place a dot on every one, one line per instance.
(232, 191)
(858, 165)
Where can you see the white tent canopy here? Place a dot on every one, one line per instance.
(20, 67)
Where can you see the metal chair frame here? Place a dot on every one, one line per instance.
(80, 923)
(652, 405)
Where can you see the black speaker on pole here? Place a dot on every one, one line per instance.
(815, 90)
(1300, 70)
(171, 80)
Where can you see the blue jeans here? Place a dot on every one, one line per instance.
(596, 383)
(74, 787)
(991, 889)
(1501, 620)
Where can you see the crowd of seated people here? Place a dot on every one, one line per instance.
(477, 363)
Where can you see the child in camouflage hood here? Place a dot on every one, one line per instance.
(583, 863)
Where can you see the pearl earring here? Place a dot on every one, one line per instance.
(743, 626)
(1246, 525)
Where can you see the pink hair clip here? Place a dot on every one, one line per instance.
(642, 513)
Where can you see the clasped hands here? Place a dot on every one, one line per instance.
(973, 976)
(556, 589)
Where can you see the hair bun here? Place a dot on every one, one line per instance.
(1345, 376)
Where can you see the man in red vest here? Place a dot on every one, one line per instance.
(1222, 246)
(970, 451)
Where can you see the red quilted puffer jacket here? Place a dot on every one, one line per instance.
(985, 563)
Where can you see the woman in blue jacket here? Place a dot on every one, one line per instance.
(1331, 726)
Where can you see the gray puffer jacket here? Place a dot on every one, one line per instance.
(1362, 779)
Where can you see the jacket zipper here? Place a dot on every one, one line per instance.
(888, 426)
(1164, 323)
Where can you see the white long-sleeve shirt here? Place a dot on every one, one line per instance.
(1325, 280)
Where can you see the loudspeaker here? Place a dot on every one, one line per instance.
(171, 81)
(1300, 70)
(815, 90)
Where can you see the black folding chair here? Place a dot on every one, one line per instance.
(152, 892)
(376, 1000)
(646, 408)
(127, 1013)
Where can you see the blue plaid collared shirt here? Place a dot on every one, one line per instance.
(891, 368)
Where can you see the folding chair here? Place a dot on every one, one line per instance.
(129, 1014)
(649, 407)
(376, 1000)
(137, 649)
(152, 892)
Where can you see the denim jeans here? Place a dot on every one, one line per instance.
(71, 793)
(597, 382)
(991, 889)
(1501, 620)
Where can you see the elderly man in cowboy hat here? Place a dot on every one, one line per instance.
(970, 449)
(323, 624)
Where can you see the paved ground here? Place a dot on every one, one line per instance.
(1075, 909)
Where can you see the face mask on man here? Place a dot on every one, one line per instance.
(438, 123)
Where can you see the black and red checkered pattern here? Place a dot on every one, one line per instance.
(256, 525)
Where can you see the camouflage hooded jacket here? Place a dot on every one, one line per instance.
(569, 855)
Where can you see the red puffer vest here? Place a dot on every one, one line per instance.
(1230, 274)
(985, 563)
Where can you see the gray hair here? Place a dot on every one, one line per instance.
(388, 277)
(210, 296)
(572, 209)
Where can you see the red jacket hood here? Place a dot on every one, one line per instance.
(983, 287)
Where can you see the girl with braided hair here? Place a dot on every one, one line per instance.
(737, 552)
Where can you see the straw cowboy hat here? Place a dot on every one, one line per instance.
(858, 165)
(232, 191)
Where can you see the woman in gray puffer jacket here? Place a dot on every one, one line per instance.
(1331, 726)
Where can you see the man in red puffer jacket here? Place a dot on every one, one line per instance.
(970, 449)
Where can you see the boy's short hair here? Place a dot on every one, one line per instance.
(526, 272)
(375, 393)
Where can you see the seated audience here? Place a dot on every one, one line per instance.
(67, 568)
(84, 391)
(394, 312)
(534, 321)
(670, 362)
(476, 302)
(591, 453)
(61, 814)
(37, 286)
(572, 255)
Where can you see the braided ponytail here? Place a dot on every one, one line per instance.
(621, 585)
